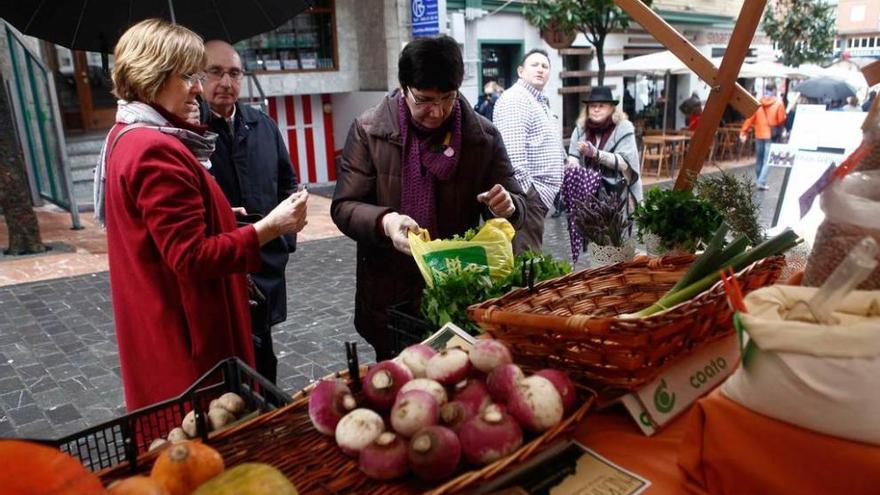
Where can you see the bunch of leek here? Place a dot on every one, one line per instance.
(704, 272)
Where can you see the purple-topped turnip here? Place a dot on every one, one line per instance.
(502, 380)
(413, 411)
(434, 453)
(489, 436)
(382, 383)
(328, 403)
(455, 413)
(449, 366)
(473, 393)
(431, 386)
(385, 458)
(358, 429)
(536, 404)
(415, 357)
(488, 354)
(564, 386)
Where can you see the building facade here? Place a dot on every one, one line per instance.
(858, 29)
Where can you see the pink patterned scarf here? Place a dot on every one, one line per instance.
(428, 155)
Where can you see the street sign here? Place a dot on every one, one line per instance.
(425, 18)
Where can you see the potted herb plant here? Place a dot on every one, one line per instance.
(675, 221)
(734, 197)
(604, 225)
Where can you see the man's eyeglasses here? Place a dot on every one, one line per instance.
(216, 73)
(192, 78)
(423, 103)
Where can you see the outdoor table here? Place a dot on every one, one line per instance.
(721, 446)
(673, 144)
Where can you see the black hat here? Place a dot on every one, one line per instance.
(600, 94)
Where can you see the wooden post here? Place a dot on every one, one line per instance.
(742, 100)
(737, 49)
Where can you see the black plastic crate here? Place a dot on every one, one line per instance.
(123, 439)
(405, 328)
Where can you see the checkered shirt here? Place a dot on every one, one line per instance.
(533, 138)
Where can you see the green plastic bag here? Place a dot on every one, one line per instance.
(490, 251)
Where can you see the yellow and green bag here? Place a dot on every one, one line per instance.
(490, 251)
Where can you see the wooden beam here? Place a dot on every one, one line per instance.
(737, 49)
(872, 73)
(576, 51)
(742, 100)
(576, 73)
(566, 90)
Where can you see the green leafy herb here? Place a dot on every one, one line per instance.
(466, 236)
(679, 218)
(735, 198)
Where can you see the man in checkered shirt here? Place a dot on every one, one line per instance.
(533, 139)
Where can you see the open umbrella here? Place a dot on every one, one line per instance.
(96, 25)
(825, 88)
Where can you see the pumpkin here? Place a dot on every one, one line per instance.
(137, 485)
(250, 478)
(184, 466)
(34, 469)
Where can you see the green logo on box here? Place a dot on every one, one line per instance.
(663, 400)
(472, 255)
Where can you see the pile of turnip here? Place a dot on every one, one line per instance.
(429, 412)
(222, 411)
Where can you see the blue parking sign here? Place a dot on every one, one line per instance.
(425, 18)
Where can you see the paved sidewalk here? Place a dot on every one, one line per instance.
(59, 369)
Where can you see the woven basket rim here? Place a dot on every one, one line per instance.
(490, 312)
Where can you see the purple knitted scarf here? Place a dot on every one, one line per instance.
(426, 158)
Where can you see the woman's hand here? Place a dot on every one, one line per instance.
(498, 200)
(587, 149)
(397, 228)
(289, 217)
(572, 162)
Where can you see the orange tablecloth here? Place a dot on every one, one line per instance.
(721, 447)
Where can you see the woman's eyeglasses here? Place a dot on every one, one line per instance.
(192, 78)
(423, 103)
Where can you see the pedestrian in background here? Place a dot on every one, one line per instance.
(177, 259)
(420, 159)
(769, 123)
(491, 92)
(253, 168)
(533, 140)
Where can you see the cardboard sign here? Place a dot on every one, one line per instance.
(450, 335)
(660, 401)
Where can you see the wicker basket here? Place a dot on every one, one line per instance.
(572, 322)
(286, 439)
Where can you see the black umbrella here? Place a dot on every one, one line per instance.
(96, 25)
(825, 88)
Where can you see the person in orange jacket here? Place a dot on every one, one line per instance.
(768, 121)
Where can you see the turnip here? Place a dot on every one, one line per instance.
(502, 380)
(536, 404)
(328, 403)
(189, 424)
(385, 458)
(488, 354)
(219, 417)
(358, 429)
(490, 436)
(231, 402)
(473, 394)
(449, 366)
(177, 435)
(564, 386)
(434, 453)
(158, 444)
(454, 414)
(415, 357)
(413, 411)
(431, 386)
(382, 383)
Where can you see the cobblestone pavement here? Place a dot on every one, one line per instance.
(59, 368)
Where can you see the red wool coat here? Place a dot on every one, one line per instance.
(177, 264)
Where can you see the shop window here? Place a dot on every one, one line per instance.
(305, 43)
(849, 42)
(864, 42)
(871, 42)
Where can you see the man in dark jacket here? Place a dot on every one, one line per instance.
(253, 167)
(421, 158)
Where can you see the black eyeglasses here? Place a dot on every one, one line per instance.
(217, 73)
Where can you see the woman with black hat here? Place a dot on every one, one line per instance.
(605, 139)
(604, 143)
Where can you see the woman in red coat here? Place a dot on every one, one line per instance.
(177, 258)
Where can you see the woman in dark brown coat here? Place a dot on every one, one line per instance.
(422, 158)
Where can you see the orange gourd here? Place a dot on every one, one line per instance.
(33, 469)
(184, 466)
(137, 485)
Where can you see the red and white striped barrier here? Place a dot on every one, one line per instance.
(308, 134)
